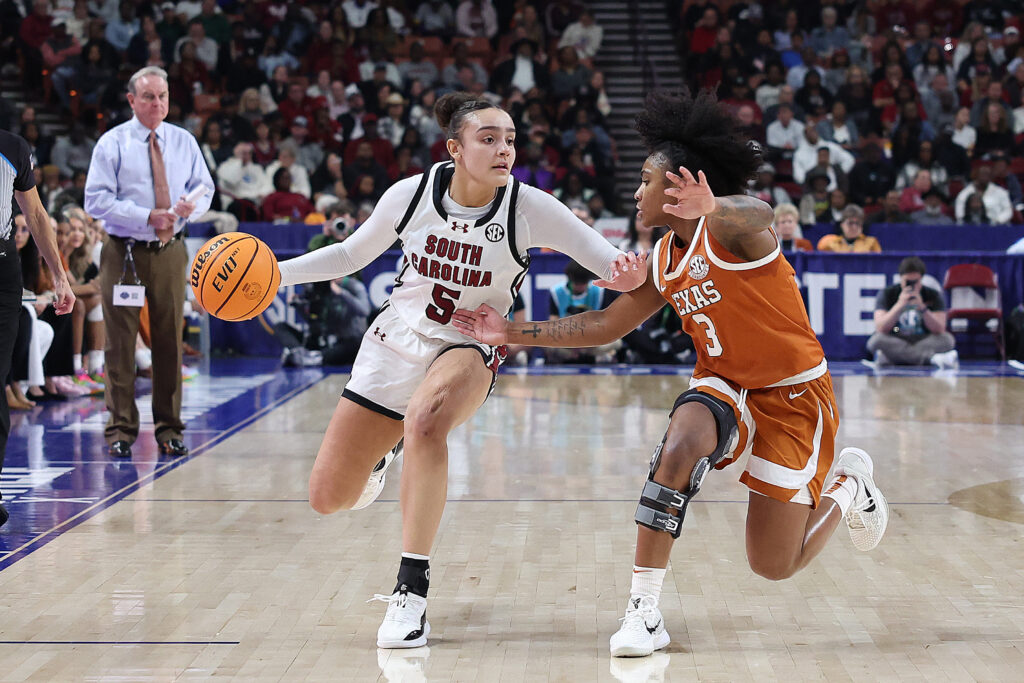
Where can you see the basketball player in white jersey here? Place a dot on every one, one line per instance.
(465, 228)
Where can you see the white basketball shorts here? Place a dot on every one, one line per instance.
(393, 360)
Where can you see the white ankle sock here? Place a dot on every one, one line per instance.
(96, 361)
(647, 581)
(76, 360)
(414, 556)
(842, 489)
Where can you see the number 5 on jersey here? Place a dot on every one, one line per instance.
(714, 346)
(444, 304)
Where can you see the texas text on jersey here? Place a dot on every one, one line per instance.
(747, 319)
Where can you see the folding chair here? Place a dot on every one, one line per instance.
(974, 295)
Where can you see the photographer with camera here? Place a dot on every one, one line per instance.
(339, 225)
(910, 322)
(336, 311)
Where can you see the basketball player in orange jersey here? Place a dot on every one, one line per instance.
(466, 227)
(761, 385)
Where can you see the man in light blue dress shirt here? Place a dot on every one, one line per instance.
(137, 167)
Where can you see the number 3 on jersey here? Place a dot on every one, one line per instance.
(714, 346)
(444, 304)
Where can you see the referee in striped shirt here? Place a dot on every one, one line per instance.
(18, 183)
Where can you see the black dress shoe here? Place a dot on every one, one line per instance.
(174, 447)
(120, 449)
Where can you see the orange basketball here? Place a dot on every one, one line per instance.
(235, 276)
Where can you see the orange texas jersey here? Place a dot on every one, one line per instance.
(747, 319)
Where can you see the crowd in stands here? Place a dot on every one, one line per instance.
(298, 105)
(906, 111)
(910, 111)
(867, 111)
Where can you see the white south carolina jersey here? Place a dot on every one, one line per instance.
(454, 263)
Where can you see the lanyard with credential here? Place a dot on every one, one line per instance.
(129, 260)
(125, 294)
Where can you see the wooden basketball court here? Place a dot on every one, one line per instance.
(220, 569)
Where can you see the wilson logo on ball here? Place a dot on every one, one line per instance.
(204, 255)
(235, 276)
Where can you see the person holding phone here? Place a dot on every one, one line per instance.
(910, 322)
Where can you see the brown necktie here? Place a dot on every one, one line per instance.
(156, 162)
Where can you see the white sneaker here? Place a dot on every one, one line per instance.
(946, 361)
(869, 513)
(375, 484)
(405, 623)
(642, 631)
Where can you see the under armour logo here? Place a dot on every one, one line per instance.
(464, 227)
(380, 334)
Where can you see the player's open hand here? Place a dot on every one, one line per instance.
(629, 271)
(484, 324)
(694, 197)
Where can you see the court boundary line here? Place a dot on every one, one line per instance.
(43, 538)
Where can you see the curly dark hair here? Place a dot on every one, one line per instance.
(700, 134)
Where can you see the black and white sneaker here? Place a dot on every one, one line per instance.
(868, 517)
(405, 623)
(375, 484)
(642, 631)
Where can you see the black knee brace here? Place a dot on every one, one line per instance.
(654, 494)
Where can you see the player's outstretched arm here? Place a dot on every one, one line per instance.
(368, 242)
(729, 218)
(592, 328)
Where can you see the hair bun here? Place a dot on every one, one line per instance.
(446, 106)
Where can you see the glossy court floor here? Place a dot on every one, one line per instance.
(215, 567)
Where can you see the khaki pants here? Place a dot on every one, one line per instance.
(901, 352)
(162, 272)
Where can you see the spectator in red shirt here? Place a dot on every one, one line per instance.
(884, 92)
(365, 163)
(34, 31)
(298, 104)
(318, 56)
(404, 166)
(741, 94)
(705, 34)
(282, 205)
(893, 13)
(326, 130)
(35, 28)
(912, 197)
(58, 54)
(382, 149)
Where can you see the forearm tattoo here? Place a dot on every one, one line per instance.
(562, 330)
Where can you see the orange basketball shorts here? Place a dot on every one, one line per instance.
(788, 433)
